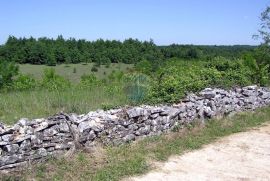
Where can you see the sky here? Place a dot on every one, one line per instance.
(201, 22)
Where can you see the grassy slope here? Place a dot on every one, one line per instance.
(114, 163)
(66, 70)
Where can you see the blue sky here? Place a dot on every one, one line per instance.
(220, 22)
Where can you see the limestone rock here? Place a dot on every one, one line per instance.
(208, 93)
(8, 137)
(129, 138)
(11, 149)
(136, 112)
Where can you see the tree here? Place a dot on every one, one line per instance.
(144, 66)
(45, 50)
(262, 53)
(51, 61)
(264, 31)
(259, 60)
(75, 56)
(7, 71)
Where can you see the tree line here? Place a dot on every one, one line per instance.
(131, 51)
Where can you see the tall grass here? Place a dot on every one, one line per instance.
(40, 103)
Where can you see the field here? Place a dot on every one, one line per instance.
(73, 72)
(50, 94)
(41, 103)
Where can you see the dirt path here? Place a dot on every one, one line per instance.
(243, 156)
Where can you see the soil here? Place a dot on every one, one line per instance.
(243, 157)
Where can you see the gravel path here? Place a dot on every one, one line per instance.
(242, 156)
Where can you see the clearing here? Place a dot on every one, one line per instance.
(73, 72)
(241, 156)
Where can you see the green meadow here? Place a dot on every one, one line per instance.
(73, 72)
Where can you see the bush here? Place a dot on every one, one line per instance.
(177, 78)
(94, 69)
(88, 81)
(233, 72)
(173, 82)
(7, 72)
(260, 71)
(74, 70)
(144, 66)
(116, 76)
(52, 81)
(24, 82)
(51, 61)
(107, 65)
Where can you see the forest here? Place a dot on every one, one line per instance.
(130, 51)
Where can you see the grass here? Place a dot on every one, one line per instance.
(43, 103)
(114, 163)
(67, 70)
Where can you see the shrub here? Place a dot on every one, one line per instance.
(94, 69)
(24, 82)
(260, 73)
(116, 76)
(74, 70)
(7, 72)
(107, 65)
(233, 72)
(177, 78)
(51, 61)
(88, 81)
(173, 82)
(144, 66)
(52, 81)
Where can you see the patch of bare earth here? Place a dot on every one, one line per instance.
(242, 157)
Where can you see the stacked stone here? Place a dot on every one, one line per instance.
(31, 140)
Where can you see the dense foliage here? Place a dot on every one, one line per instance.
(49, 51)
(178, 77)
(59, 50)
(205, 52)
(167, 83)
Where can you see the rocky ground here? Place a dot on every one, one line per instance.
(243, 156)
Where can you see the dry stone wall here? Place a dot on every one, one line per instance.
(30, 140)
